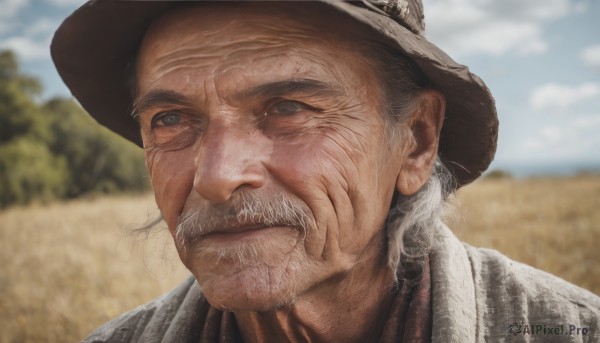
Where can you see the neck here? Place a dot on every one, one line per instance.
(351, 308)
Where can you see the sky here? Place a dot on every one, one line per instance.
(540, 59)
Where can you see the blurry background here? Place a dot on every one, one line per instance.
(72, 193)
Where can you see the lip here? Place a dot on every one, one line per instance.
(238, 229)
(241, 233)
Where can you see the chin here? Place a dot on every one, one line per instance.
(255, 275)
(258, 288)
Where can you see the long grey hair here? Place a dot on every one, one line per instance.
(411, 219)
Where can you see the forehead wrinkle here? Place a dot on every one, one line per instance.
(166, 65)
(194, 27)
(206, 55)
(245, 25)
(259, 42)
(222, 57)
(207, 41)
(231, 64)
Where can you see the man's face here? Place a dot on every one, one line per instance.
(265, 142)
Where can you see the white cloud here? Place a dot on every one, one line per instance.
(10, 8)
(591, 56)
(581, 7)
(4, 27)
(554, 95)
(41, 27)
(34, 41)
(65, 2)
(534, 9)
(574, 140)
(497, 38)
(27, 48)
(493, 27)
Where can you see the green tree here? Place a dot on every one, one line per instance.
(28, 171)
(19, 113)
(98, 160)
(56, 150)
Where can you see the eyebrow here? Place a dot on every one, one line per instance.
(274, 89)
(159, 97)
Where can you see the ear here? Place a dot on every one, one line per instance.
(419, 155)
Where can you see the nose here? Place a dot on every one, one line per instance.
(229, 158)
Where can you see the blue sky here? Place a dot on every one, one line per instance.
(540, 58)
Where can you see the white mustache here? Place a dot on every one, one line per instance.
(244, 210)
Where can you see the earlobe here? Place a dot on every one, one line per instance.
(418, 158)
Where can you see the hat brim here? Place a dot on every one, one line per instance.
(95, 47)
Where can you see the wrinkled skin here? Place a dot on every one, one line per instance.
(221, 130)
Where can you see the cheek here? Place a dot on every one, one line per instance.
(336, 179)
(312, 168)
(172, 177)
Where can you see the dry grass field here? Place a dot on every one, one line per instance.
(68, 267)
(550, 223)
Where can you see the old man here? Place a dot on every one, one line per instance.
(300, 154)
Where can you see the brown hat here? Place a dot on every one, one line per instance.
(95, 47)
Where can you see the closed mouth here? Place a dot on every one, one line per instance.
(239, 233)
(238, 228)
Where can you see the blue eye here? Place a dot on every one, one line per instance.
(166, 119)
(286, 108)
